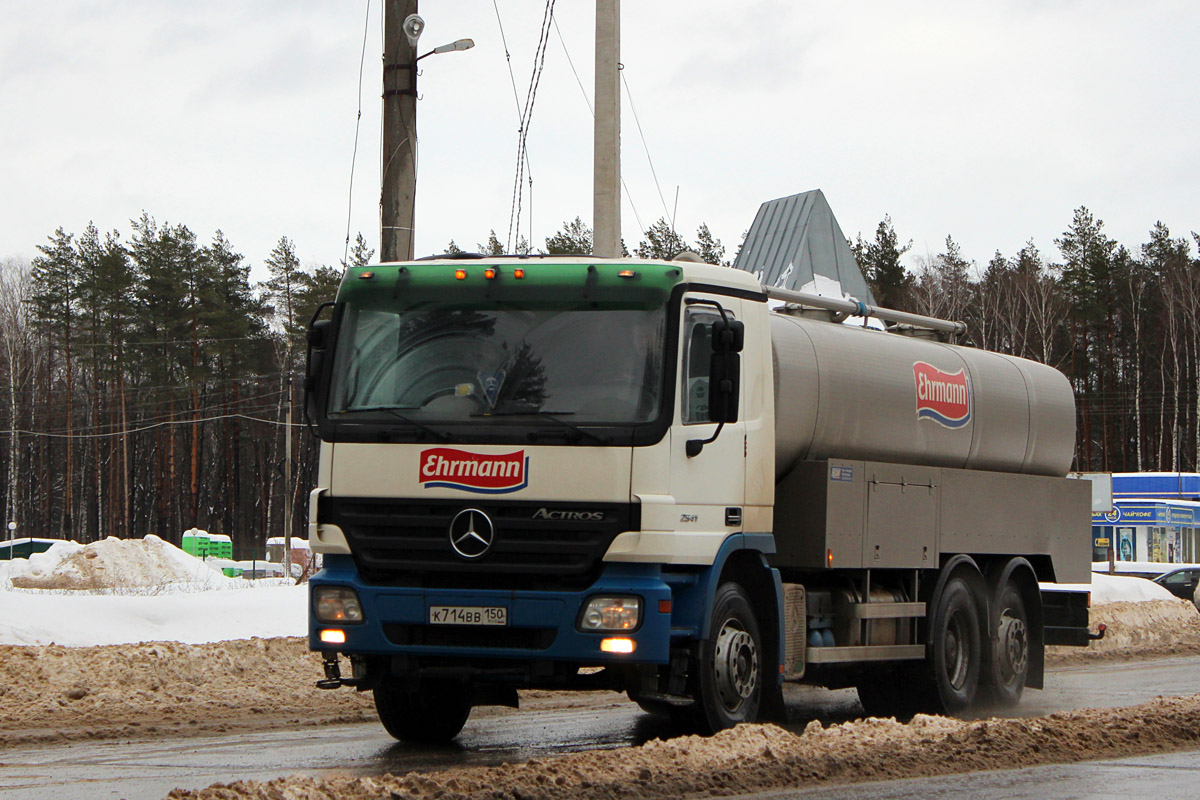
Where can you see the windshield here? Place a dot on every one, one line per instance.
(582, 364)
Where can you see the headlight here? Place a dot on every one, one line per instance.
(337, 604)
(611, 614)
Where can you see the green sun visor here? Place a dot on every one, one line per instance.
(533, 284)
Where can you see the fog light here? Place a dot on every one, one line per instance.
(611, 614)
(333, 636)
(617, 645)
(337, 604)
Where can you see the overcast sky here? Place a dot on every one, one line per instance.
(990, 122)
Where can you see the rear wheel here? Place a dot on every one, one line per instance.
(1008, 666)
(956, 652)
(731, 672)
(432, 713)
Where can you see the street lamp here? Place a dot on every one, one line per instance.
(461, 44)
(399, 177)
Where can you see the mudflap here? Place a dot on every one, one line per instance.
(1065, 613)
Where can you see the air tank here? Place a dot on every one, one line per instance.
(848, 392)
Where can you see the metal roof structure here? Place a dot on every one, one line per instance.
(795, 239)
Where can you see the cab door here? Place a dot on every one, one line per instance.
(709, 487)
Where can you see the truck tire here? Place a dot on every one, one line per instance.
(1008, 665)
(956, 651)
(731, 671)
(434, 713)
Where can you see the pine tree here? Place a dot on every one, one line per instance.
(281, 289)
(54, 300)
(661, 242)
(710, 248)
(889, 280)
(360, 254)
(493, 247)
(574, 239)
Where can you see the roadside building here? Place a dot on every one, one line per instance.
(1155, 520)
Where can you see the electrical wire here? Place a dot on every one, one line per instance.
(627, 195)
(508, 58)
(357, 122)
(539, 63)
(520, 114)
(646, 147)
(169, 423)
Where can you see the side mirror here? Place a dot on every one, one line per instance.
(319, 335)
(725, 372)
(728, 336)
(725, 369)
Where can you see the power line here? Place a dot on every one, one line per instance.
(646, 147)
(539, 63)
(357, 121)
(165, 424)
(628, 196)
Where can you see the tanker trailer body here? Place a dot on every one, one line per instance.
(574, 473)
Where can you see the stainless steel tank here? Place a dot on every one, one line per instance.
(848, 392)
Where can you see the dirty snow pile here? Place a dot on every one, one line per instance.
(119, 591)
(767, 759)
(114, 564)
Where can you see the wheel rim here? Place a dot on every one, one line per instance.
(956, 657)
(735, 659)
(1013, 638)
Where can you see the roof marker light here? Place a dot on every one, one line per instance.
(626, 273)
(366, 276)
(489, 273)
(518, 273)
(460, 274)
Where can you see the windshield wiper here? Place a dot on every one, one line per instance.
(553, 416)
(435, 433)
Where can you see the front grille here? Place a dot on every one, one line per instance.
(470, 636)
(395, 542)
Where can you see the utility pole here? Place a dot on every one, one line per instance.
(398, 180)
(606, 145)
(288, 491)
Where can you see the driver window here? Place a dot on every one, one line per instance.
(697, 358)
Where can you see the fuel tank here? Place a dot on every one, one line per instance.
(849, 392)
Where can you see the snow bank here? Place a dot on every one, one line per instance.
(1139, 567)
(87, 620)
(121, 591)
(114, 564)
(1117, 589)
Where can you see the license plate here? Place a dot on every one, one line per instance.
(468, 615)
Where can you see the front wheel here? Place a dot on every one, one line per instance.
(432, 712)
(731, 670)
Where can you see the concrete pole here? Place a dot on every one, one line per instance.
(288, 489)
(606, 146)
(398, 179)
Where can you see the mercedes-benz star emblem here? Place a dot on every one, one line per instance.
(471, 533)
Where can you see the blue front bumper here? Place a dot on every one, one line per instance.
(556, 612)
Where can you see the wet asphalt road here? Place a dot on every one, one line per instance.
(150, 769)
(1175, 776)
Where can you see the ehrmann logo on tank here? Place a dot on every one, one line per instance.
(943, 397)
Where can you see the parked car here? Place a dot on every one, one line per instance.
(1183, 582)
